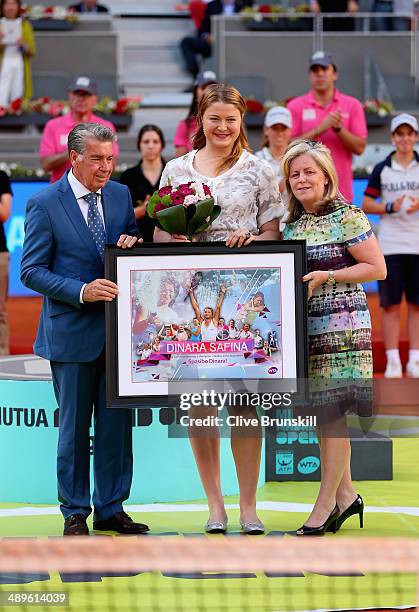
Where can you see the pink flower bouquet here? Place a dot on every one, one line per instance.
(187, 209)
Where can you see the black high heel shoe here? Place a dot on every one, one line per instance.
(328, 525)
(357, 507)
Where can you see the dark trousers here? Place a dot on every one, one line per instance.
(338, 24)
(80, 392)
(386, 23)
(192, 47)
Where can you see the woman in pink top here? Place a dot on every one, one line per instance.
(186, 128)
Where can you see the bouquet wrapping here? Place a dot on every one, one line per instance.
(187, 209)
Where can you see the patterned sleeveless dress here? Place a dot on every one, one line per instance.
(339, 324)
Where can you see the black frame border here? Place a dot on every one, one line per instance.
(171, 249)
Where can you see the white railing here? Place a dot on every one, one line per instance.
(364, 24)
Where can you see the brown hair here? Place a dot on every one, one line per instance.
(265, 141)
(226, 94)
(193, 109)
(323, 159)
(150, 127)
(19, 8)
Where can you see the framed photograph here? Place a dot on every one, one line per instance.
(204, 312)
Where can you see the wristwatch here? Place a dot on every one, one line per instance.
(331, 280)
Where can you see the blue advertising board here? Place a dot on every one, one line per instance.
(359, 188)
(14, 227)
(15, 233)
(164, 469)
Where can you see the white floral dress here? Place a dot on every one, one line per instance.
(247, 193)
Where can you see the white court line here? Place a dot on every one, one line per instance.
(353, 609)
(262, 505)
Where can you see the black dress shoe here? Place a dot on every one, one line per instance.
(75, 525)
(328, 525)
(122, 523)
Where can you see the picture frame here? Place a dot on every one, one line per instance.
(246, 321)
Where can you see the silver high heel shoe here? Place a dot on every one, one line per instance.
(252, 528)
(216, 526)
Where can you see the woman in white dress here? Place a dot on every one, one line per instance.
(17, 46)
(210, 318)
(233, 332)
(246, 190)
(258, 339)
(246, 332)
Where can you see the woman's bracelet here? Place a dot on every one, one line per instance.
(389, 208)
(331, 280)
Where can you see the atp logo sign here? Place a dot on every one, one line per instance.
(284, 463)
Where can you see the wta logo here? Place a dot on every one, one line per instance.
(308, 465)
(272, 370)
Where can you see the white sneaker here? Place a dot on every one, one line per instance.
(412, 369)
(394, 370)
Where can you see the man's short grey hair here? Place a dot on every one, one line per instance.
(79, 136)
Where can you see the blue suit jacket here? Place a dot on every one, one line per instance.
(59, 256)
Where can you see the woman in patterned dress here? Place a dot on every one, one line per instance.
(247, 191)
(342, 253)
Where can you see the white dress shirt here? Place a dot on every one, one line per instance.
(80, 191)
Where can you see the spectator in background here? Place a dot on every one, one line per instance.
(143, 179)
(277, 135)
(333, 24)
(388, 7)
(333, 118)
(403, 6)
(53, 149)
(395, 181)
(383, 23)
(201, 44)
(5, 207)
(186, 128)
(89, 6)
(17, 46)
(196, 9)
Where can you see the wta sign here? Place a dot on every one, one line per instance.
(308, 465)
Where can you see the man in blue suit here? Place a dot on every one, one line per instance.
(67, 225)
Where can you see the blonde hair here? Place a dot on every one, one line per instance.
(226, 94)
(323, 159)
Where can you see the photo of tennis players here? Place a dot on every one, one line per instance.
(188, 323)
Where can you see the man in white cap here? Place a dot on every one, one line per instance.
(393, 193)
(333, 118)
(82, 98)
(277, 135)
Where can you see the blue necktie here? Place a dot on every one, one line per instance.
(95, 223)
